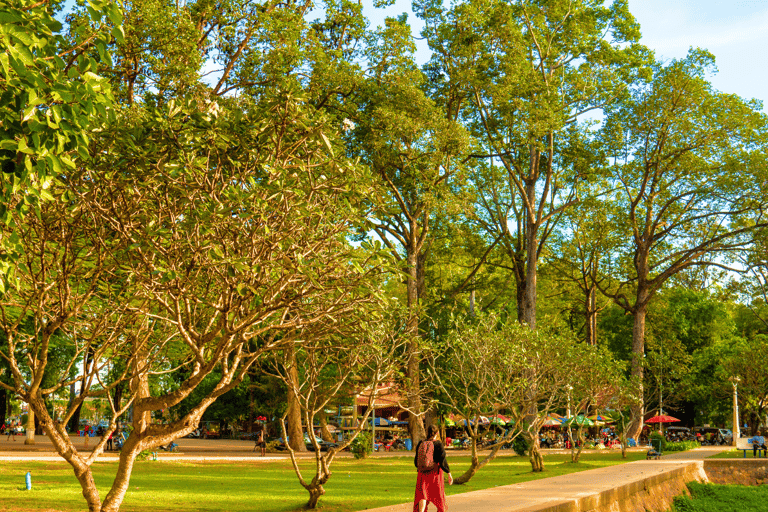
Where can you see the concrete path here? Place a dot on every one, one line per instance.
(562, 489)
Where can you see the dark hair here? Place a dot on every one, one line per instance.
(431, 431)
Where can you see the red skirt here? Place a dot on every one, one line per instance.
(431, 487)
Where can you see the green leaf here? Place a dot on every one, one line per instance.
(118, 34)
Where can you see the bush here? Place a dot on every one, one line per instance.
(682, 446)
(656, 435)
(521, 445)
(361, 447)
(145, 455)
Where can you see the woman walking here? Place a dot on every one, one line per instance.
(431, 463)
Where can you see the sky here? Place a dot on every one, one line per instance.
(735, 31)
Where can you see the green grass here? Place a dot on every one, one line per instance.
(720, 498)
(732, 454)
(263, 486)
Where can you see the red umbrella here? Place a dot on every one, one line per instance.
(662, 419)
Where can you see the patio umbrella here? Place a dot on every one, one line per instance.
(600, 417)
(498, 421)
(484, 420)
(449, 422)
(552, 422)
(662, 419)
(579, 420)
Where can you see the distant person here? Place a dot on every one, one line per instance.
(430, 462)
(758, 443)
(109, 440)
(261, 443)
(11, 432)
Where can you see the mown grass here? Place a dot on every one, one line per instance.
(721, 498)
(732, 454)
(262, 485)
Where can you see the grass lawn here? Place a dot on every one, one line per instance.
(731, 454)
(718, 498)
(263, 486)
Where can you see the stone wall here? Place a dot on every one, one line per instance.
(656, 493)
(652, 494)
(747, 471)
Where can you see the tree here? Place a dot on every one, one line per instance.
(528, 71)
(50, 101)
(469, 368)
(688, 175)
(212, 243)
(324, 370)
(412, 148)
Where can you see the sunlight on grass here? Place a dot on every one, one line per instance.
(238, 486)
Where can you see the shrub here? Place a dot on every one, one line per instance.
(682, 446)
(521, 445)
(361, 447)
(656, 435)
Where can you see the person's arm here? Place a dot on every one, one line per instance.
(441, 459)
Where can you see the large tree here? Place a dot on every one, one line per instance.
(216, 240)
(689, 183)
(412, 148)
(523, 73)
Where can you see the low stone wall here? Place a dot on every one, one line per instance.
(747, 471)
(656, 493)
(652, 494)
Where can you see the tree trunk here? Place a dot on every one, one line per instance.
(324, 432)
(637, 365)
(413, 376)
(473, 465)
(74, 420)
(534, 454)
(295, 432)
(30, 426)
(519, 265)
(591, 315)
(117, 398)
(3, 405)
(116, 494)
(315, 491)
(531, 242)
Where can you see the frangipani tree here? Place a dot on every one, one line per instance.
(216, 239)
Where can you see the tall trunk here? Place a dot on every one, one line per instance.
(324, 432)
(413, 377)
(3, 405)
(637, 363)
(30, 426)
(531, 242)
(529, 299)
(519, 264)
(590, 313)
(295, 432)
(117, 398)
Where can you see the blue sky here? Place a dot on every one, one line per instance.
(735, 31)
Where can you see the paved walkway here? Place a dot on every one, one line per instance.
(534, 494)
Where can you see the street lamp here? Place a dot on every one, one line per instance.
(735, 381)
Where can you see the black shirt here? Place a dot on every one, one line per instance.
(438, 455)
